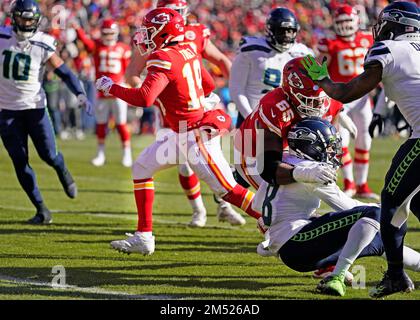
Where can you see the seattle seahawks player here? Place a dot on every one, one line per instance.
(24, 54)
(393, 59)
(258, 66)
(305, 243)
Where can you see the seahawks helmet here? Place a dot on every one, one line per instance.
(315, 139)
(281, 29)
(26, 16)
(398, 19)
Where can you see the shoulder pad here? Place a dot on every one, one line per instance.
(5, 32)
(254, 44)
(44, 41)
(159, 59)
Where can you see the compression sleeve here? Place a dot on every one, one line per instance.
(69, 78)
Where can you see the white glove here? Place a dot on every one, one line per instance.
(104, 84)
(211, 101)
(84, 102)
(345, 121)
(318, 172)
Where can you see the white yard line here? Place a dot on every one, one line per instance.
(73, 288)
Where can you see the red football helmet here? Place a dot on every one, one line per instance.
(178, 5)
(346, 21)
(308, 98)
(109, 32)
(159, 27)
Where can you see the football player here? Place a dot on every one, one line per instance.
(345, 52)
(393, 59)
(258, 66)
(304, 243)
(177, 81)
(25, 52)
(111, 59)
(199, 35)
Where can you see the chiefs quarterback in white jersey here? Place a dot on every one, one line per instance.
(258, 66)
(345, 52)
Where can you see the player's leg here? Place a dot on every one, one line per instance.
(161, 154)
(362, 116)
(211, 166)
(120, 112)
(102, 110)
(400, 181)
(191, 186)
(347, 168)
(14, 134)
(42, 134)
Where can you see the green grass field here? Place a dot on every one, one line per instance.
(215, 262)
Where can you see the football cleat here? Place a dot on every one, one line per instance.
(225, 213)
(363, 191)
(67, 181)
(332, 285)
(390, 285)
(322, 273)
(135, 243)
(42, 216)
(262, 249)
(127, 160)
(199, 219)
(349, 188)
(99, 160)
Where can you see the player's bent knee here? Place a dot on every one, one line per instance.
(373, 213)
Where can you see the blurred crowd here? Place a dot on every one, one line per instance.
(228, 21)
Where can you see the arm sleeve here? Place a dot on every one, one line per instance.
(237, 83)
(144, 96)
(88, 42)
(69, 79)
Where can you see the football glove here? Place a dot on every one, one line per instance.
(346, 122)
(84, 102)
(377, 122)
(317, 172)
(315, 71)
(104, 84)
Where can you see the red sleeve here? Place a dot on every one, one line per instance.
(144, 96)
(207, 81)
(88, 42)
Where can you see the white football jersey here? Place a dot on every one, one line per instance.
(257, 69)
(22, 66)
(290, 206)
(401, 76)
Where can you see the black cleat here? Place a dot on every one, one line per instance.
(390, 285)
(69, 186)
(41, 217)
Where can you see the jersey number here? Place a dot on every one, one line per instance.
(267, 208)
(287, 112)
(110, 61)
(19, 63)
(272, 77)
(193, 76)
(350, 61)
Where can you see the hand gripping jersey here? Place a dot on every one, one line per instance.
(22, 66)
(401, 76)
(346, 57)
(198, 34)
(110, 61)
(257, 69)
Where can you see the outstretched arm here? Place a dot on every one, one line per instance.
(215, 56)
(135, 68)
(344, 92)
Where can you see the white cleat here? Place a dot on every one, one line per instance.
(127, 160)
(225, 213)
(99, 160)
(199, 219)
(262, 249)
(135, 243)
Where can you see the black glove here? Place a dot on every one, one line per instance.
(377, 121)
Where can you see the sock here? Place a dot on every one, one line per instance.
(124, 134)
(347, 168)
(144, 193)
(360, 235)
(411, 259)
(242, 198)
(191, 186)
(101, 132)
(361, 166)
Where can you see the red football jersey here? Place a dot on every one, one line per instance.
(182, 100)
(346, 58)
(198, 34)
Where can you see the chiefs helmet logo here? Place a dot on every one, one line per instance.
(161, 18)
(295, 81)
